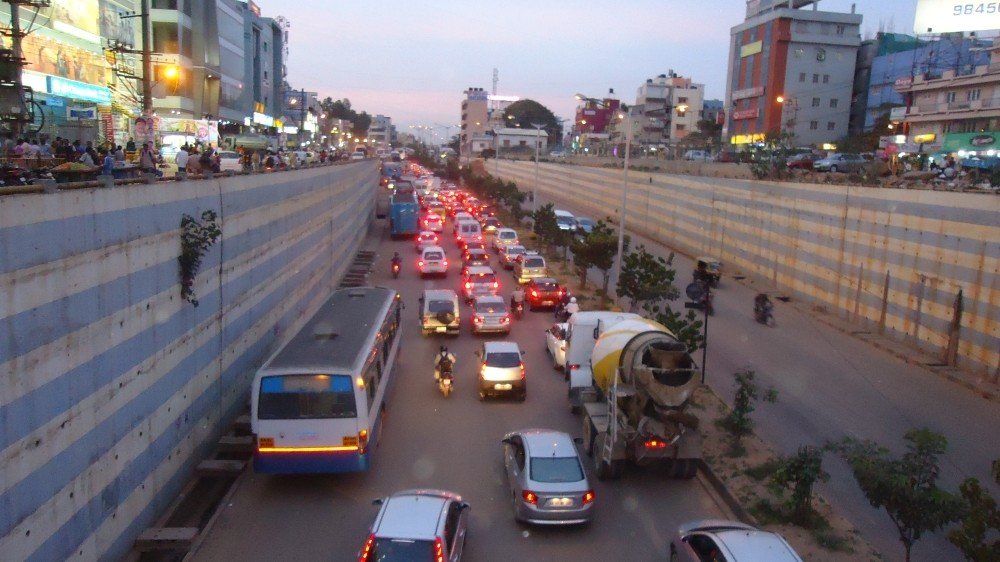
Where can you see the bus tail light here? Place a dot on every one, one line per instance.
(655, 444)
(573, 366)
(362, 440)
(366, 552)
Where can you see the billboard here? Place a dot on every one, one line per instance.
(946, 16)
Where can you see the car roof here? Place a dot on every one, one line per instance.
(548, 443)
(538, 280)
(439, 294)
(744, 542)
(413, 514)
(433, 249)
(514, 247)
(501, 346)
(477, 251)
(505, 229)
(490, 298)
(477, 269)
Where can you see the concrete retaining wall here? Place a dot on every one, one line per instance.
(893, 260)
(112, 386)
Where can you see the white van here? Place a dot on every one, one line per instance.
(468, 231)
(566, 220)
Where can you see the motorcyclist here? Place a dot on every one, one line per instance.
(571, 308)
(517, 297)
(444, 361)
(396, 260)
(761, 304)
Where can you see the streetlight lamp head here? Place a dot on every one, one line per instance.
(780, 99)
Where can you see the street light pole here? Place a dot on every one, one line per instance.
(621, 219)
(534, 188)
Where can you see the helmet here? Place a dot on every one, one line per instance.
(444, 349)
(395, 254)
(573, 300)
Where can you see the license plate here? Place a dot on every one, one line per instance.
(502, 386)
(559, 502)
(351, 441)
(441, 329)
(547, 303)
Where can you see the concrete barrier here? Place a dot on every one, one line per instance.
(111, 386)
(919, 266)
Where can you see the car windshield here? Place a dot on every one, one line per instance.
(491, 307)
(435, 307)
(402, 550)
(503, 359)
(564, 220)
(515, 251)
(534, 262)
(433, 256)
(556, 469)
(508, 235)
(585, 222)
(546, 286)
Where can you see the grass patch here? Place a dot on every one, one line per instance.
(830, 540)
(761, 471)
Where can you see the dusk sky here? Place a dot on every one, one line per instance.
(412, 60)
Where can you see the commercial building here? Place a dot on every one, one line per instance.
(714, 111)
(516, 138)
(381, 132)
(791, 70)
(475, 123)
(956, 112)
(667, 108)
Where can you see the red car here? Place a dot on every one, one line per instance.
(543, 292)
(803, 161)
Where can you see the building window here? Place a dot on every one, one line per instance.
(682, 100)
(841, 29)
(830, 125)
(950, 97)
(826, 78)
(799, 53)
(165, 37)
(972, 95)
(815, 78)
(833, 102)
(815, 102)
(680, 126)
(813, 125)
(821, 54)
(802, 77)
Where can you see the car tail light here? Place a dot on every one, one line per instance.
(438, 550)
(420, 263)
(529, 497)
(468, 285)
(534, 293)
(445, 263)
(362, 440)
(655, 444)
(588, 497)
(366, 552)
(496, 285)
(505, 320)
(573, 366)
(477, 319)
(522, 371)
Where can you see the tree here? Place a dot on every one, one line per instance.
(905, 487)
(687, 327)
(980, 523)
(596, 249)
(646, 278)
(523, 113)
(799, 473)
(738, 422)
(341, 109)
(545, 225)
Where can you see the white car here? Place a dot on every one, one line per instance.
(433, 261)
(229, 160)
(504, 237)
(555, 344)
(426, 239)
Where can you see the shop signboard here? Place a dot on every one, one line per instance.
(897, 114)
(78, 90)
(81, 112)
(746, 114)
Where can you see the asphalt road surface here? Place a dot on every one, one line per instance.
(454, 444)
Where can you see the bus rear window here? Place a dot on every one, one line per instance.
(297, 397)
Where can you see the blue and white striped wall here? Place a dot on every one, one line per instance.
(831, 245)
(111, 386)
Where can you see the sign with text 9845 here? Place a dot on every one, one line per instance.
(946, 16)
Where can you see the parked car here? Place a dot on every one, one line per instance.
(501, 370)
(840, 162)
(584, 225)
(548, 483)
(702, 155)
(565, 220)
(509, 254)
(543, 292)
(489, 314)
(732, 541)
(230, 161)
(555, 344)
(417, 525)
(529, 266)
(802, 161)
(478, 281)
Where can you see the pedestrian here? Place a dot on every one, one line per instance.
(119, 154)
(108, 163)
(182, 159)
(86, 159)
(255, 161)
(130, 145)
(205, 160)
(147, 159)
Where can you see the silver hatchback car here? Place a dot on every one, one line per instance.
(713, 539)
(548, 484)
(417, 525)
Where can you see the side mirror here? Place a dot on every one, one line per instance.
(522, 352)
(464, 506)
(377, 501)
(505, 440)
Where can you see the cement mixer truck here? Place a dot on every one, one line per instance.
(635, 403)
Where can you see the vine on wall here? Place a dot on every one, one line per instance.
(196, 238)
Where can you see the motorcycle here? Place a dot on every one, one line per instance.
(518, 308)
(764, 314)
(395, 270)
(446, 382)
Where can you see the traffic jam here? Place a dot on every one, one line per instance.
(629, 379)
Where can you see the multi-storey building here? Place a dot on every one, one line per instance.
(381, 132)
(594, 116)
(714, 111)
(666, 109)
(892, 59)
(954, 111)
(791, 70)
(475, 123)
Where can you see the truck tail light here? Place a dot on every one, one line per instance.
(655, 444)
(366, 552)
(573, 366)
(522, 371)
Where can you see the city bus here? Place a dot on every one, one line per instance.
(317, 403)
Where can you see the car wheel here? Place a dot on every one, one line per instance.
(833, 168)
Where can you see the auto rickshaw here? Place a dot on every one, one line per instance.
(708, 269)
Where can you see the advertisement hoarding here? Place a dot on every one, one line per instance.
(946, 16)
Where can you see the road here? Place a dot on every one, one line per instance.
(831, 385)
(453, 443)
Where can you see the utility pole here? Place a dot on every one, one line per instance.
(534, 191)
(22, 113)
(147, 59)
(15, 32)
